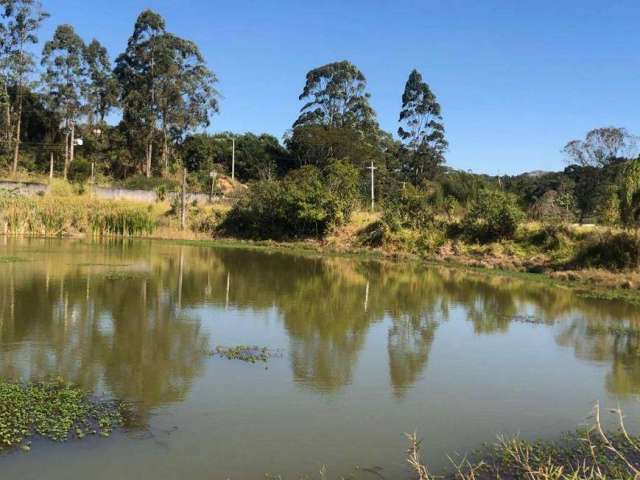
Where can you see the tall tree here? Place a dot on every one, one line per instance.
(185, 91)
(102, 90)
(21, 19)
(336, 96)
(601, 147)
(137, 74)
(165, 82)
(66, 80)
(421, 129)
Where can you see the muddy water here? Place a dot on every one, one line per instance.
(369, 351)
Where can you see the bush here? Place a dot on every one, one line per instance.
(409, 209)
(493, 216)
(301, 205)
(612, 251)
(79, 170)
(343, 181)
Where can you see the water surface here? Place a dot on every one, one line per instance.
(369, 351)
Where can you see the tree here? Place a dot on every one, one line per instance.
(186, 95)
(137, 75)
(21, 19)
(66, 80)
(630, 200)
(601, 147)
(164, 80)
(102, 90)
(421, 129)
(335, 96)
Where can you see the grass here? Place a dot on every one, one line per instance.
(59, 216)
(591, 454)
(54, 410)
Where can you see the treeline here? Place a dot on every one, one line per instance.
(162, 92)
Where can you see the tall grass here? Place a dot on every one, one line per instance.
(58, 216)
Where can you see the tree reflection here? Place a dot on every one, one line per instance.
(115, 315)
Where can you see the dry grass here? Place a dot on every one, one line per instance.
(593, 455)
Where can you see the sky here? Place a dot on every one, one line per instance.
(516, 79)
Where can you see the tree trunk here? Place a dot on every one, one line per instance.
(165, 153)
(66, 153)
(16, 147)
(72, 143)
(149, 156)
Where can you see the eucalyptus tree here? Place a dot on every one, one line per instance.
(102, 89)
(66, 79)
(601, 147)
(165, 85)
(421, 129)
(137, 73)
(336, 120)
(185, 91)
(336, 96)
(20, 21)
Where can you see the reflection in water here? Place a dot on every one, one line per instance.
(123, 316)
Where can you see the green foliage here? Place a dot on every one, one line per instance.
(79, 170)
(343, 182)
(410, 208)
(612, 251)
(301, 205)
(421, 130)
(54, 411)
(630, 195)
(495, 215)
(336, 96)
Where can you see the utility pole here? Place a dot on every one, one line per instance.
(50, 166)
(372, 168)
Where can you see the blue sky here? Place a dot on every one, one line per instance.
(516, 79)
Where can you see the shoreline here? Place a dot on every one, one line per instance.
(583, 282)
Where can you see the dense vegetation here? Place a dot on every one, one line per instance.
(53, 410)
(162, 93)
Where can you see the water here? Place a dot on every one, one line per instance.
(369, 351)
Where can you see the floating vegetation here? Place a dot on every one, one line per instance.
(125, 275)
(246, 353)
(53, 410)
(10, 259)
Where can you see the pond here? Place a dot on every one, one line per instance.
(367, 351)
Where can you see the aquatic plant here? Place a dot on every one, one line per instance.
(245, 353)
(53, 410)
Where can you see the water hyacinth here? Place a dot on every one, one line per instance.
(55, 410)
(245, 353)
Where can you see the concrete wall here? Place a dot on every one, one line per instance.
(107, 193)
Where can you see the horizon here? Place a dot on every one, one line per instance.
(514, 81)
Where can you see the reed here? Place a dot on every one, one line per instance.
(53, 216)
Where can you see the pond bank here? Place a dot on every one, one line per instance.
(592, 283)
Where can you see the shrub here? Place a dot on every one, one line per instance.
(79, 170)
(613, 251)
(493, 216)
(409, 209)
(301, 205)
(343, 181)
